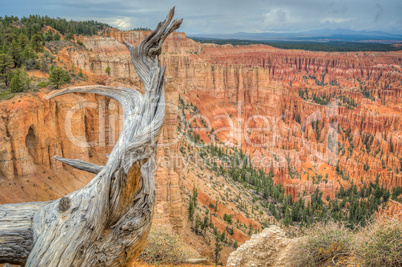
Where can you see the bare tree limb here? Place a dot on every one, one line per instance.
(81, 165)
(16, 232)
(107, 222)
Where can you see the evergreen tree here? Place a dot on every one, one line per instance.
(195, 195)
(16, 54)
(235, 245)
(19, 80)
(218, 249)
(205, 223)
(191, 210)
(56, 37)
(23, 40)
(6, 63)
(198, 224)
(58, 77)
(36, 43)
(288, 219)
(49, 36)
(29, 57)
(69, 36)
(107, 70)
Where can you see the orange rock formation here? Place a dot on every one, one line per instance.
(300, 142)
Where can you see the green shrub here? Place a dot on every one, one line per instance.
(380, 244)
(42, 84)
(6, 95)
(80, 43)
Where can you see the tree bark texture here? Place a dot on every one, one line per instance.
(107, 222)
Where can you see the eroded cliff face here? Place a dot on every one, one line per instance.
(328, 116)
(316, 120)
(78, 126)
(33, 130)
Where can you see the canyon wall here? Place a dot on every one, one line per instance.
(310, 133)
(78, 126)
(33, 130)
(361, 91)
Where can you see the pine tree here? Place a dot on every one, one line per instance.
(19, 80)
(72, 70)
(288, 219)
(49, 36)
(36, 43)
(16, 54)
(191, 211)
(58, 77)
(195, 195)
(107, 70)
(23, 40)
(69, 36)
(29, 57)
(205, 223)
(44, 65)
(218, 249)
(235, 245)
(198, 224)
(6, 63)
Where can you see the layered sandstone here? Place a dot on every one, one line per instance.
(265, 81)
(80, 126)
(393, 209)
(230, 85)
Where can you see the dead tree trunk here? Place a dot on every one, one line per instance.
(107, 222)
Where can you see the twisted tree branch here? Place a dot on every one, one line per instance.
(107, 222)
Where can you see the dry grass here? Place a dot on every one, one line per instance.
(164, 247)
(143, 264)
(380, 244)
(321, 242)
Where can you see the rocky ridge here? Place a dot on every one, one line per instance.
(269, 248)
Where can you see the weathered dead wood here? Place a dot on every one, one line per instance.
(107, 222)
(16, 232)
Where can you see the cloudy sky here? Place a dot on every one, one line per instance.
(224, 16)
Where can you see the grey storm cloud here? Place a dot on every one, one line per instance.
(379, 12)
(224, 16)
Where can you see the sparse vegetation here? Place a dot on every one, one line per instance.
(217, 250)
(351, 206)
(164, 247)
(379, 244)
(322, 241)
